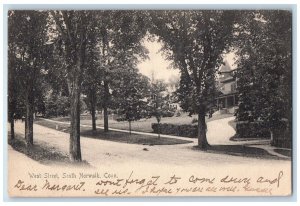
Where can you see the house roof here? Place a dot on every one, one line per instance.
(226, 94)
(225, 67)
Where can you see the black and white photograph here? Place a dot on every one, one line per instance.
(143, 103)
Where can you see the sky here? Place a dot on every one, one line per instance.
(156, 63)
(160, 67)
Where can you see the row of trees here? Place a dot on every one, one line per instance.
(95, 53)
(66, 51)
(58, 55)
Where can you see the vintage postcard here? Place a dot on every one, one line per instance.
(140, 103)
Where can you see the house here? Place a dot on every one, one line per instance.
(227, 99)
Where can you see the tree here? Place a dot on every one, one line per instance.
(158, 104)
(56, 105)
(29, 56)
(131, 96)
(264, 74)
(73, 27)
(121, 47)
(93, 72)
(195, 41)
(13, 81)
(15, 103)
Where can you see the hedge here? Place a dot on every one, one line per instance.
(252, 130)
(184, 130)
(282, 135)
(281, 132)
(282, 139)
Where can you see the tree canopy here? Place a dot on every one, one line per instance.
(264, 74)
(195, 42)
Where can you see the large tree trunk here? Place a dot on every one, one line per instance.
(93, 109)
(12, 126)
(29, 118)
(202, 141)
(105, 103)
(75, 152)
(11, 99)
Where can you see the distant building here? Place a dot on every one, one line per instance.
(227, 100)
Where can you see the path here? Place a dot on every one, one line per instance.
(219, 133)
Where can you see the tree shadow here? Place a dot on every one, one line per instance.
(241, 151)
(43, 154)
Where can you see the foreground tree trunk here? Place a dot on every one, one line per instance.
(202, 141)
(75, 151)
(93, 108)
(29, 117)
(12, 126)
(11, 96)
(74, 30)
(105, 103)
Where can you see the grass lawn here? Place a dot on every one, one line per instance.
(143, 125)
(114, 135)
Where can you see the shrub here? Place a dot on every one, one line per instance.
(282, 136)
(245, 129)
(185, 130)
(168, 114)
(281, 132)
(121, 118)
(194, 120)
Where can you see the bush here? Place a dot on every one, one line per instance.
(185, 130)
(121, 118)
(282, 136)
(168, 114)
(246, 129)
(194, 120)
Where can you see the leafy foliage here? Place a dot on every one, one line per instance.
(264, 74)
(130, 96)
(195, 41)
(160, 100)
(27, 61)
